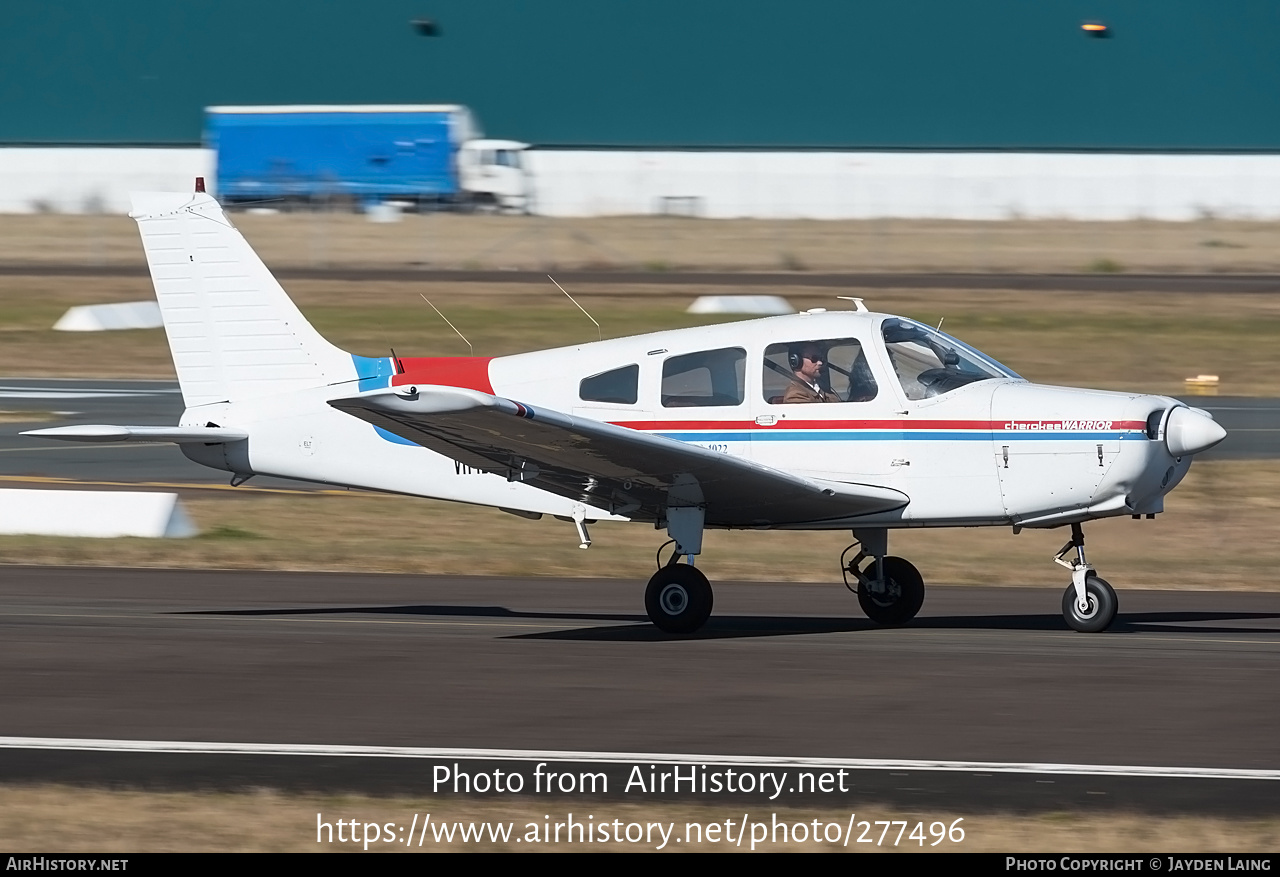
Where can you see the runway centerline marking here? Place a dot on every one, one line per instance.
(217, 615)
(187, 485)
(14, 393)
(1142, 637)
(87, 446)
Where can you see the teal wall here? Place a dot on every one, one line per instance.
(1177, 74)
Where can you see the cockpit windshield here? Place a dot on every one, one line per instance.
(929, 363)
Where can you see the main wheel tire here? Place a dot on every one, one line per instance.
(903, 595)
(678, 599)
(1102, 606)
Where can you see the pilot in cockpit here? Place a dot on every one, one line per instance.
(807, 362)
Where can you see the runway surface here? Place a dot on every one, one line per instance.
(1183, 679)
(26, 461)
(1253, 432)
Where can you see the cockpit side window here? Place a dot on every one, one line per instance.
(620, 386)
(845, 373)
(705, 378)
(929, 363)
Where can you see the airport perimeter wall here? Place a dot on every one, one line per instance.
(94, 180)
(732, 184)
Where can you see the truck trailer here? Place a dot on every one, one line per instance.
(429, 155)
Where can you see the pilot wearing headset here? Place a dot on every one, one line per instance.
(807, 362)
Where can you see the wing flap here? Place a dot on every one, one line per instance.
(624, 471)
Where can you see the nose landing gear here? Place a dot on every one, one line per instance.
(1089, 604)
(1099, 609)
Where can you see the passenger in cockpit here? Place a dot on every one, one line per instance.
(807, 362)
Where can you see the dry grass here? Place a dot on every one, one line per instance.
(48, 819)
(658, 243)
(27, 416)
(1232, 504)
(1141, 341)
(1134, 341)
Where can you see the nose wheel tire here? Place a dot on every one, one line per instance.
(903, 593)
(678, 599)
(1100, 612)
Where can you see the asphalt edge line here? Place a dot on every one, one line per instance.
(305, 749)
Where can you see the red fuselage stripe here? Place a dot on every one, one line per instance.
(468, 372)
(980, 425)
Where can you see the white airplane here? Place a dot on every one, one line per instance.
(683, 430)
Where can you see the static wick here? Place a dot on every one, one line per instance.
(451, 326)
(599, 332)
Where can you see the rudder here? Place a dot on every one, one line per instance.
(233, 331)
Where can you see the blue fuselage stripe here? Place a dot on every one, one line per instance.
(392, 437)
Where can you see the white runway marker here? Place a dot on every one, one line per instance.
(195, 748)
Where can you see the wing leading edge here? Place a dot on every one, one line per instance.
(610, 467)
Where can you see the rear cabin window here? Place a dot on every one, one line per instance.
(705, 378)
(620, 386)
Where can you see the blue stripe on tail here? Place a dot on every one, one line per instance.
(373, 374)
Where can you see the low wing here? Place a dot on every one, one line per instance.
(176, 434)
(621, 470)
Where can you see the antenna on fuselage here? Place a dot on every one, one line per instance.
(599, 332)
(451, 326)
(858, 304)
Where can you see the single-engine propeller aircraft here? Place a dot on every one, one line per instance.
(842, 420)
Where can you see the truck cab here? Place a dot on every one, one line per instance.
(492, 173)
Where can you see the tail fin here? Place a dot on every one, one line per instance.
(233, 331)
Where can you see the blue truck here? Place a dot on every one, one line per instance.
(366, 154)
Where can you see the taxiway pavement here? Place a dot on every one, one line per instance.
(1200, 284)
(984, 674)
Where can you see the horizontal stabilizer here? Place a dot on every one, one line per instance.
(176, 434)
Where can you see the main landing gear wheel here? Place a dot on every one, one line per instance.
(903, 593)
(1100, 612)
(678, 599)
